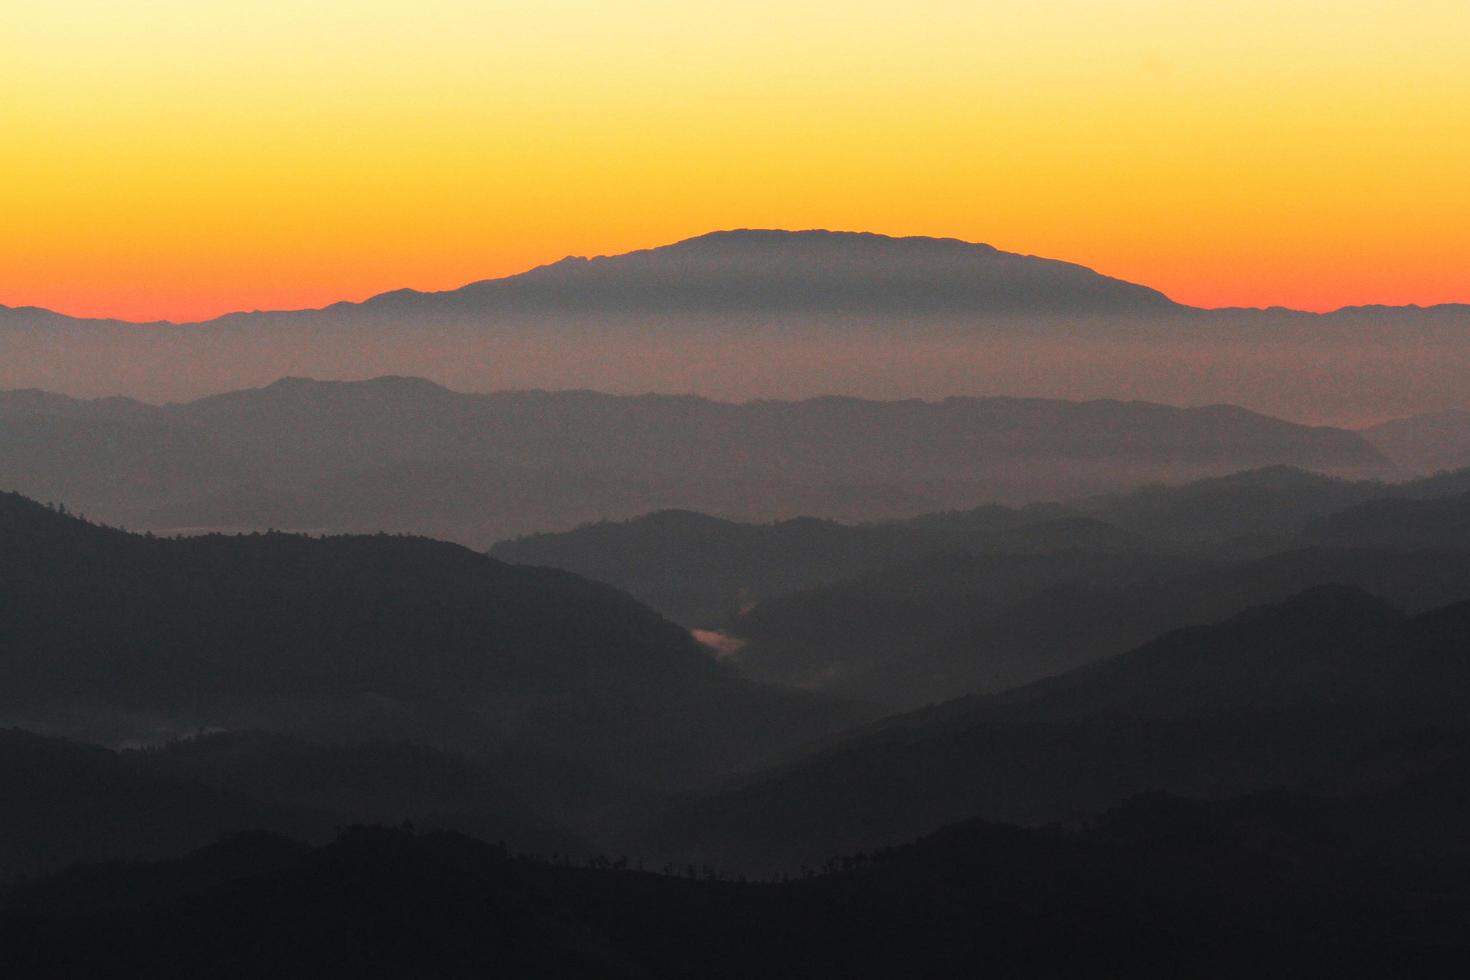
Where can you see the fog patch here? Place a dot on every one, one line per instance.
(721, 644)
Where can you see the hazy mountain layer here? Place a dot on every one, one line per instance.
(1425, 443)
(771, 314)
(403, 454)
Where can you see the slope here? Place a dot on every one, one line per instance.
(574, 694)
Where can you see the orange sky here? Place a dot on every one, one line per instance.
(163, 158)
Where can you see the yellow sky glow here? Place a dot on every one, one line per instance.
(161, 158)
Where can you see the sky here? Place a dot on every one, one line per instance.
(170, 159)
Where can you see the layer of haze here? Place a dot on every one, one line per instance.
(171, 159)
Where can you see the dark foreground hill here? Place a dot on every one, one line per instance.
(1279, 695)
(1397, 522)
(1275, 884)
(573, 693)
(63, 802)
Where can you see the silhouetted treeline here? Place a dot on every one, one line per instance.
(1273, 884)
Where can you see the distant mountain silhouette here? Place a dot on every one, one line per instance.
(746, 314)
(1275, 501)
(571, 693)
(402, 454)
(800, 272)
(1425, 443)
(760, 271)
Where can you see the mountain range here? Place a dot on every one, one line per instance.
(1309, 702)
(958, 620)
(404, 454)
(774, 314)
(1287, 694)
(908, 612)
(578, 699)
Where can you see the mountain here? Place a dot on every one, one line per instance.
(1276, 883)
(327, 786)
(63, 802)
(403, 454)
(1331, 644)
(699, 569)
(925, 609)
(576, 697)
(749, 271)
(786, 315)
(1392, 522)
(941, 626)
(951, 625)
(1425, 444)
(783, 272)
(702, 570)
(1266, 503)
(1277, 695)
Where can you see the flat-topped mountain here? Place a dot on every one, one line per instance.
(748, 314)
(766, 271)
(803, 272)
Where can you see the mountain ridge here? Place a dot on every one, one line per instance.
(555, 271)
(1277, 695)
(407, 454)
(567, 687)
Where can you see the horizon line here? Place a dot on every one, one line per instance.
(410, 290)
